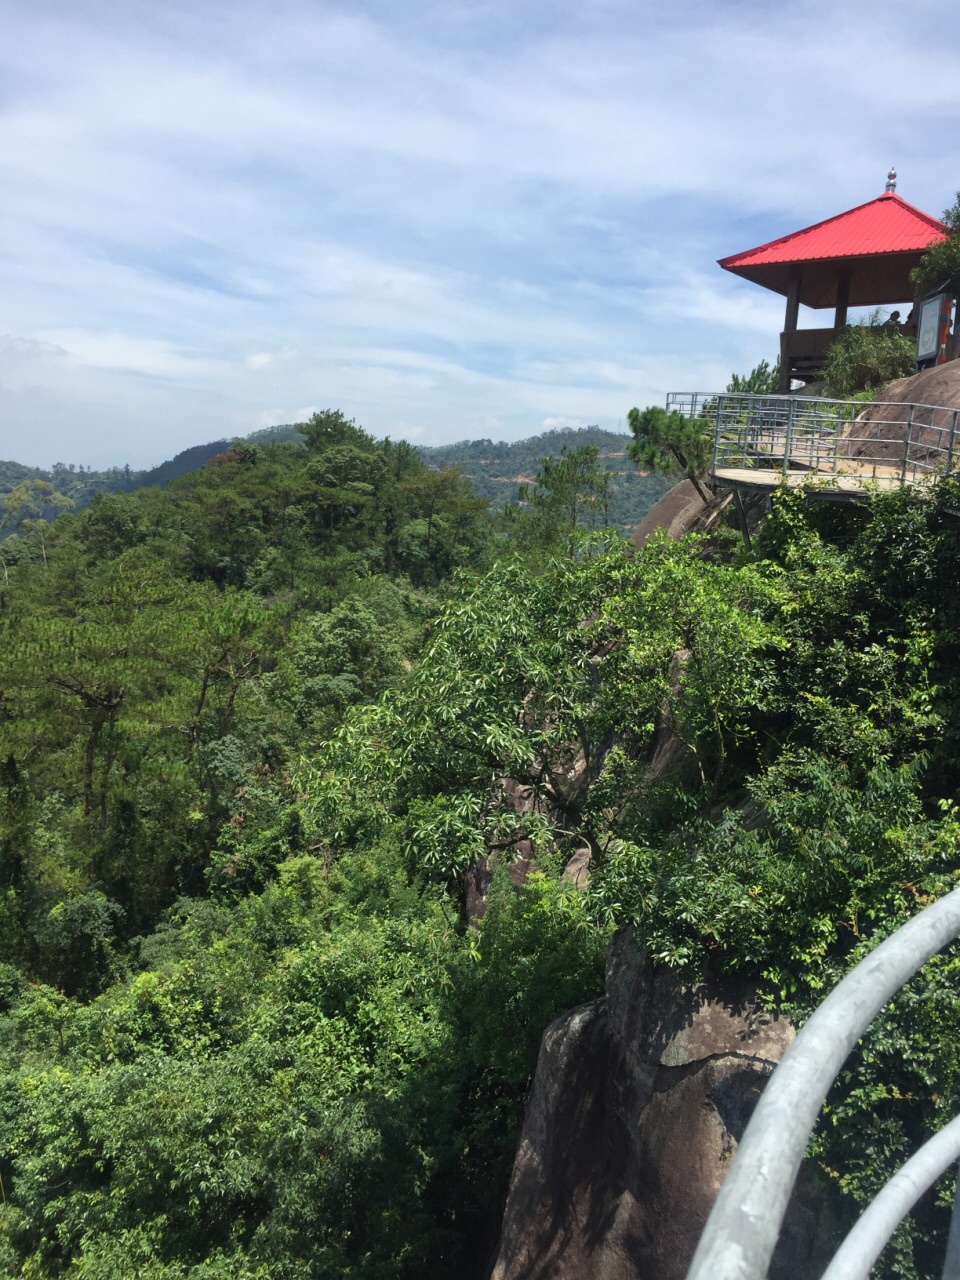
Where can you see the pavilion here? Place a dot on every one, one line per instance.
(861, 258)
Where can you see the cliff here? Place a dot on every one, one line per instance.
(637, 1107)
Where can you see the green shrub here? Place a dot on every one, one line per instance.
(867, 355)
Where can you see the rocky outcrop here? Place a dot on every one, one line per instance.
(637, 1106)
(680, 511)
(677, 513)
(938, 386)
(879, 432)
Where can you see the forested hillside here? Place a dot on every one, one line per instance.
(494, 470)
(260, 729)
(80, 485)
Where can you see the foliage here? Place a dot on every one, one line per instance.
(297, 1087)
(571, 492)
(670, 442)
(517, 692)
(164, 656)
(79, 484)
(761, 380)
(492, 469)
(496, 469)
(939, 268)
(30, 506)
(262, 735)
(839, 836)
(866, 356)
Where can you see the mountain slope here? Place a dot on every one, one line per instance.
(494, 469)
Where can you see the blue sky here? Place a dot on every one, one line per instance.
(448, 220)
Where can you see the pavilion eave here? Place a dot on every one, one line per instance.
(875, 279)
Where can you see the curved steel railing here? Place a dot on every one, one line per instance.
(887, 1210)
(741, 1232)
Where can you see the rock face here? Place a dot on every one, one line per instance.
(677, 512)
(636, 1110)
(939, 385)
(879, 432)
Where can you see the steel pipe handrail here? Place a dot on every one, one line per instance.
(791, 431)
(741, 1232)
(674, 398)
(867, 1239)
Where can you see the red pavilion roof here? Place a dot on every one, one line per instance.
(877, 244)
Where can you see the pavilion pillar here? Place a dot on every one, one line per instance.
(843, 299)
(789, 326)
(793, 302)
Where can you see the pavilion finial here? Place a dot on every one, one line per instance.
(891, 180)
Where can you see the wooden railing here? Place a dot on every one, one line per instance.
(803, 352)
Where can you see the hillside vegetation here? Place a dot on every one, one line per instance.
(494, 470)
(259, 728)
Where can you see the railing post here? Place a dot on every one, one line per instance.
(791, 414)
(906, 445)
(838, 434)
(716, 434)
(953, 439)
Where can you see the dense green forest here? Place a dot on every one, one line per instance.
(80, 485)
(494, 470)
(259, 727)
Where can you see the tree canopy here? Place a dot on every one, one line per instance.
(670, 442)
(939, 267)
(263, 734)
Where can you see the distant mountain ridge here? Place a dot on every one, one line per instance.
(494, 468)
(82, 484)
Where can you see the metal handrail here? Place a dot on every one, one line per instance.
(884, 440)
(868, 1238)
(742, 1230)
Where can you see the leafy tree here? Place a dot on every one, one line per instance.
(570, 492)
(865, 356)
(347, 480)
(761, 380)
(939, 267)
(30, 506)
(670, 442)
(330, 429)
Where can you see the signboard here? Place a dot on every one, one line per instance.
(930, 327)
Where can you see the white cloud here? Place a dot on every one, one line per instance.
(470, 217)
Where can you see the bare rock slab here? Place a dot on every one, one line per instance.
(637, 1107)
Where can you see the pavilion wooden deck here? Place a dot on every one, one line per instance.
(854, 484)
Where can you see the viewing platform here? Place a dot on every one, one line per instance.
(841, 448)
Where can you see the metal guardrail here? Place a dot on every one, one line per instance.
(742, 1230)
(879, 440)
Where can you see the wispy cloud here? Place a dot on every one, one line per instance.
(441, 218)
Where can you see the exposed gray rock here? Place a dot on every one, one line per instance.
(879, 431)
(637, 1107)
(939, 385)
(677, 512)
